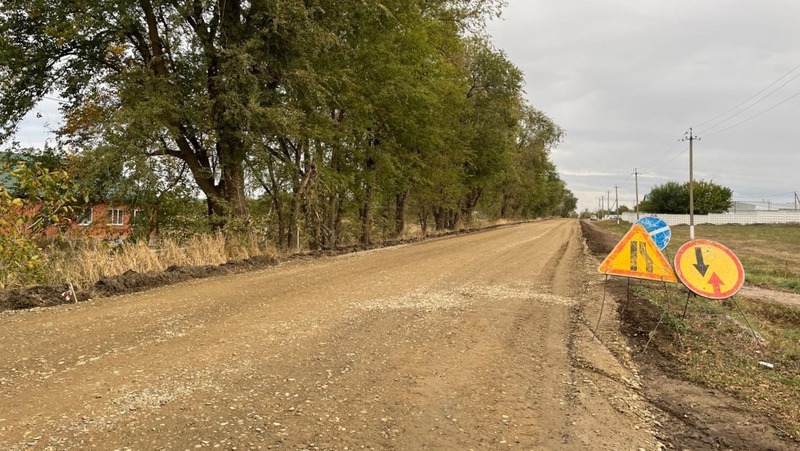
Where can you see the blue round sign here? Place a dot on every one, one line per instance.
(658, 230)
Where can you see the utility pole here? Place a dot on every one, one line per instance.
(608, 202)
(600, 213)
(616, 200)
(691, 139)
(796, 200)
(636, 176)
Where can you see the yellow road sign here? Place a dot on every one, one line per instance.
(709, 269)
(638, 256)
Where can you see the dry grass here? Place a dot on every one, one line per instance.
(84, 262)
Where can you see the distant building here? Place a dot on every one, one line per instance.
(746, 206)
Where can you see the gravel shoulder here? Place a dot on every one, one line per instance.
(483, 341)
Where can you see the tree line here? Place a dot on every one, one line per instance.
(319, 115)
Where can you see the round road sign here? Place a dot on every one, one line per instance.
(709, 269)
(658, 230)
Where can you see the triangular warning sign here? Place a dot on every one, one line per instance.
(638, 256)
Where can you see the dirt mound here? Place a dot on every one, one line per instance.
(45, 296)
(127, 282)
(690, 416)
(599, 241)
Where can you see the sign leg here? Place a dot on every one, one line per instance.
(602, 304)
(686, 307)
(653, 332)
(628, 294)
(758, 339)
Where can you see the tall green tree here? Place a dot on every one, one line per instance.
(335, 112)
(197, 78)
(673, 197)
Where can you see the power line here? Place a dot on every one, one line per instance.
(752, 105)
(658, 158)
(751, 97)
(754, 116)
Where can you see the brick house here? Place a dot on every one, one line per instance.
(101, 220)
(98, 219)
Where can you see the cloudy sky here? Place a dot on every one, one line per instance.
(627, 78)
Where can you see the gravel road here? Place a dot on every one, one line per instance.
(480, 341)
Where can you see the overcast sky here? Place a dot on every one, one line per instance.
(627, 78)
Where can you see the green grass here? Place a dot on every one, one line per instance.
(715, 347)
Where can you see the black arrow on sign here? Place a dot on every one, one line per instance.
(701, 266)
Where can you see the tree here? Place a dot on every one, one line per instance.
(711, 198)
(673, 198)
(361, 113)
(203, 81)
(196, 80)
(33, 198)
(569, 204)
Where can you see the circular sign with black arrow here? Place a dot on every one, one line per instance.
(709, 269)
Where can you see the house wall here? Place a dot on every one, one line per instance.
(101, 226)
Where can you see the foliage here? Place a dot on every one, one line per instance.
(673, 197)
(345, 119)
(33, 200)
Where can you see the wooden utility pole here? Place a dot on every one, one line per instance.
(636, 177)
(691, 139)
(600, 213)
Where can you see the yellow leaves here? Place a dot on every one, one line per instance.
(115, 49)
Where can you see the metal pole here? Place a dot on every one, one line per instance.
(636, 176)
(616, 201)
(691, 186)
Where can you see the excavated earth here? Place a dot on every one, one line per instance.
(481, 341)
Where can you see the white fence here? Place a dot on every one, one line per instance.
(750, 217)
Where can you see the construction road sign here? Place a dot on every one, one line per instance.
(638, 256)
(658, 230)
(709, 269)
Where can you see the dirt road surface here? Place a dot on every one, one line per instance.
(473, 342)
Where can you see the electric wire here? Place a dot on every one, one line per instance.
(752, 97)
(751, 105)
(754, 116)
(660, 157)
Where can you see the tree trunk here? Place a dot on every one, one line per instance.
(366, 208)
(400, 211)
(423, 221)
(469, 206)
(294, 213)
